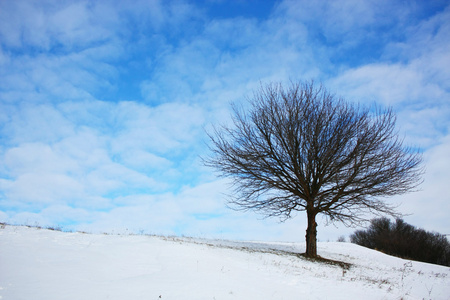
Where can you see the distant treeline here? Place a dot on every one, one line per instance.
(403, 240)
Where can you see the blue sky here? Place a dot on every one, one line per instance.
(103, 104)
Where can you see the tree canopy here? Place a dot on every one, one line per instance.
(301, 148)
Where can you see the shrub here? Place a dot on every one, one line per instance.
(341, 239)
(404, 240)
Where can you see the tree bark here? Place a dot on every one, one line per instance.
(311, 235)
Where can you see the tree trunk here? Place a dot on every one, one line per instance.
(311, 235)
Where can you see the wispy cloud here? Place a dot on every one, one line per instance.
(103, 104)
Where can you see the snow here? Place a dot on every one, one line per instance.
(45, 264)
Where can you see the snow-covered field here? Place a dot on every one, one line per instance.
(45, 264)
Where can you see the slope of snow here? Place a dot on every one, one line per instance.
(44, 264)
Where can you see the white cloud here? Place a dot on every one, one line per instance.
(143, 160)
(87, 154)
(346, 24)
(35, 157)
(429, 207)
(416, 85)
(72, 146)
(37, 189)
(36, 123)
(63, 215)
(45, 24)
(70, 49)
(382, 83)
(165, 129)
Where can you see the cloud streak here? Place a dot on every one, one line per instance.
(103, 105)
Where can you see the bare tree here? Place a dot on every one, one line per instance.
(302, 149)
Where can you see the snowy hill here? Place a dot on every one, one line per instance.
(45, 264)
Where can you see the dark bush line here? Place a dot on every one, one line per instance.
(403, 240)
